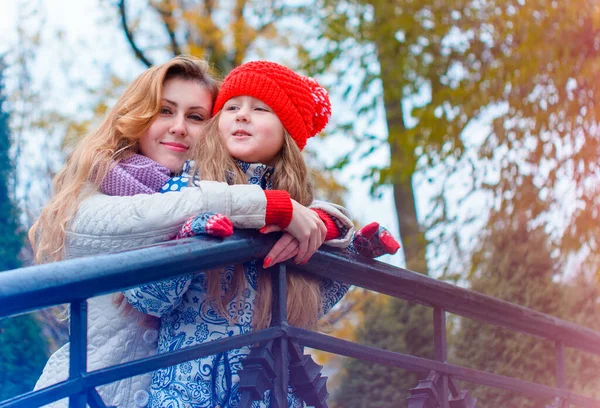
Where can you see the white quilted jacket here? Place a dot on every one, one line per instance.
(109, 224)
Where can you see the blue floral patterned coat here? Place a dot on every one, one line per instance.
(210, 381)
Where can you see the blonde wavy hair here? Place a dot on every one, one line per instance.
(116, 138)
(304, 302)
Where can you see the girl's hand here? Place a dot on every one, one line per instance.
(307, 228)
(207, 223)
(373, 240)
(285, 248)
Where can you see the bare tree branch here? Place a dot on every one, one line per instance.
(239, 35)
(212, 43)
(166, 13)
(263, 28)
(138, 53)
(210, 5)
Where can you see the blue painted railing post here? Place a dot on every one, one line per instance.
(78, 350)
(441, 351)
(439, 390)
(94, 400)
(280, 346)
(561, 375)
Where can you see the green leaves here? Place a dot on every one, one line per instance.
(23, 355)
(11, 234)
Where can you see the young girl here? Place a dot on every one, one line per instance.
(159, 117)
(264, 115)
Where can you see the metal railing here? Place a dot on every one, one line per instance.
(73, 281)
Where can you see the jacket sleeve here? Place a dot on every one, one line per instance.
(342, 219)
(108, 224)
(332, 292)
(159, 298)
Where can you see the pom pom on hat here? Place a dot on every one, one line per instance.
(322, 105)
(301, 104)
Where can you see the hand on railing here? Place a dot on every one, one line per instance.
(285, 248)
(306, 227)
(208, 223)
(373, 240)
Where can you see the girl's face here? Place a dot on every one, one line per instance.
(185, 106)
(251, 130)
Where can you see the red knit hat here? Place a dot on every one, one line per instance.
(300, 102)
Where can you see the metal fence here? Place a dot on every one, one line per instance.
(278, 361)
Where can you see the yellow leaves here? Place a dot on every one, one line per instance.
(243, 36)
(75, 130)
(327, 187)
(196, 50)
(595, 18)
(222, 33)
(203, 29)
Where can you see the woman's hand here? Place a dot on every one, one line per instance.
(306, 227)
(285, 248)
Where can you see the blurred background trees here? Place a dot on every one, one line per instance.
(22, 348)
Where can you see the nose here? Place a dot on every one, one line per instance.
(242, 115)
(178, 127)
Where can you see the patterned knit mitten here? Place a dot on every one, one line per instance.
(208, 223)
(373, 240)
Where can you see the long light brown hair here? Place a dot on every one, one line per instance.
(116, 138)
(304, 303)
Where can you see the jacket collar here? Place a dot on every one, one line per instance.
(257, 173)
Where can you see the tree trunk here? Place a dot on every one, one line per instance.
(402, 151)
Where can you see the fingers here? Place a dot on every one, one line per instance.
(308, 229)
(303, 246)
(277, 249)
(269, 228)
(289, 252)
(310, 250)
(285, 248)
(317, 237)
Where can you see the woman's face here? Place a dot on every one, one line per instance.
(251, 130)
(185, 106)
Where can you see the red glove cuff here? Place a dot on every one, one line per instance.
(333, 231)
(279, 208)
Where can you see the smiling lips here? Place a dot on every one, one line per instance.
(241, 133)
(176, 147)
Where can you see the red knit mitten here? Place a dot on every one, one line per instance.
(208, 223)
(373, 240)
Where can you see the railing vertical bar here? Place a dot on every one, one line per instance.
(441, 351)
(279, 307)
(94, 399)
(561, 369)
(281, 374)
(280, 347)
(439, 332)
(78, 349)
